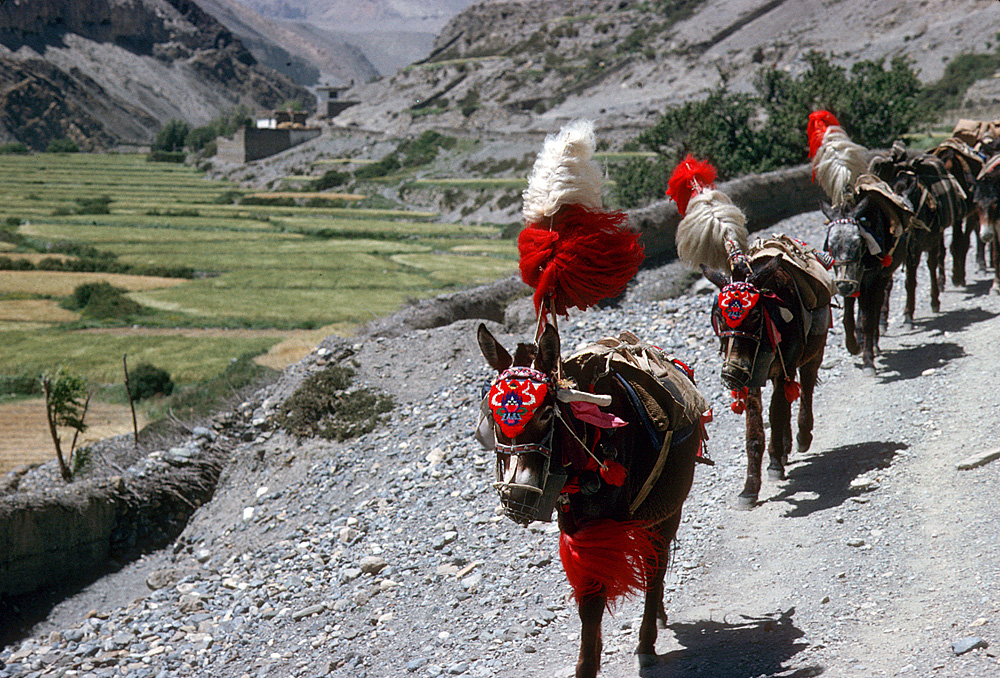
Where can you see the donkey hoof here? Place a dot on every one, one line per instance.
(648, 661)
(746, 502)
(775, 472)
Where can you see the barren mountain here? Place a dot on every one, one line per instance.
(508, 64)
(110, 72)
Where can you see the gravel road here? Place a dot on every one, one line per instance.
(386, 556)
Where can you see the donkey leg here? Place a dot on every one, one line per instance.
(591, 612)
(960, 248)
(780, 443)
(871, 316)
(755, 450)
(937, 282)
(653, 610)
(808, 376)
(850, 329)
(912, 263)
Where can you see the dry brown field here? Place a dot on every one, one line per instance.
(25, 433)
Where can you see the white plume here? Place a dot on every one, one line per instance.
(837, 163)
(710, 221)
(564, 173)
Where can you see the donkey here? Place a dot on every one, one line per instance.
(987, 198)
(938, 202)
(772, 314)
(863, 237)
(767, 333)
(619, 488)
(964, 164)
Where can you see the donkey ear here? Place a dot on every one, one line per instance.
(827, 210)
(769, 269)
(495, 354)
(715, 275)
(548, 350)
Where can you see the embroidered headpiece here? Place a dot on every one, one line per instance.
(735, 301)
(515, 396)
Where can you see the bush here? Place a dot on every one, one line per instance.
(14, 148)
(639, 181)
(20, 385)
(383, 167)
(99, 205)
(146, 381)
(171, 137)
(62, 146)
(423, 149)
(742, 133)
(331, 179)
(325, 405)
(103, 301)
(167, 156)
(210, 396)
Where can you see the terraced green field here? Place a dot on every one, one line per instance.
(261, 267)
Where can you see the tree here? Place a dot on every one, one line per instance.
(171, 138)
(66, 401)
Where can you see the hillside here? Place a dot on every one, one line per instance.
(504, 64)
(111, 72)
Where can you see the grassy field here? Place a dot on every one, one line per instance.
(265, 277)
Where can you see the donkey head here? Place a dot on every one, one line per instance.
(742, 320)
(987, 198)
(852, 235)
(519, 417)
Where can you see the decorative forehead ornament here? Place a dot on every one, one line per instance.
(735, 301)
(515, 396)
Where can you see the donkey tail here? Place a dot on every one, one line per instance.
(711, 220)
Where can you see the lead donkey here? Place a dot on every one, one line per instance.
(617, 478)
(618, 475)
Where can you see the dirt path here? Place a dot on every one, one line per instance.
(876, 553)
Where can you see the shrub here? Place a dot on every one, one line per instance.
(146, 381)
(20, 385)
(171, 136)
(102, 300)
(325, 405)
(209, 396)
(99, 205)
(331, 179)
(383, 167)
(167, 156)
(14, 148)
(639, 181)
(62, 146)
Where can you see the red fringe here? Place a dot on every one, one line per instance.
(585, 257)
(818, 122)
(608, 556)
(792, 391)
(689, 177)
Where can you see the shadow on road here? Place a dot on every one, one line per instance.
(750, 647)
(911, 361)
(827, 476)
(956, 320)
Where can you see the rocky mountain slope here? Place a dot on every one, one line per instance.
(110, 72)
(517, 65)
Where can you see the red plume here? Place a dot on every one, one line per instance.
(689, 177)
(582, 257)
(818, 122)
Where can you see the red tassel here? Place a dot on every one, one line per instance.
(818, 122)
(887, 261)
(792, 391)
(608, 556)
(585, 257)
(613, 473)
(739, 404)
(689, 178)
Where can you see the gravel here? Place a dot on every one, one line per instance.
(386, 555)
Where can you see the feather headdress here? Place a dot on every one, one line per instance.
(572, 251)
(711, 225)
(836, 160)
